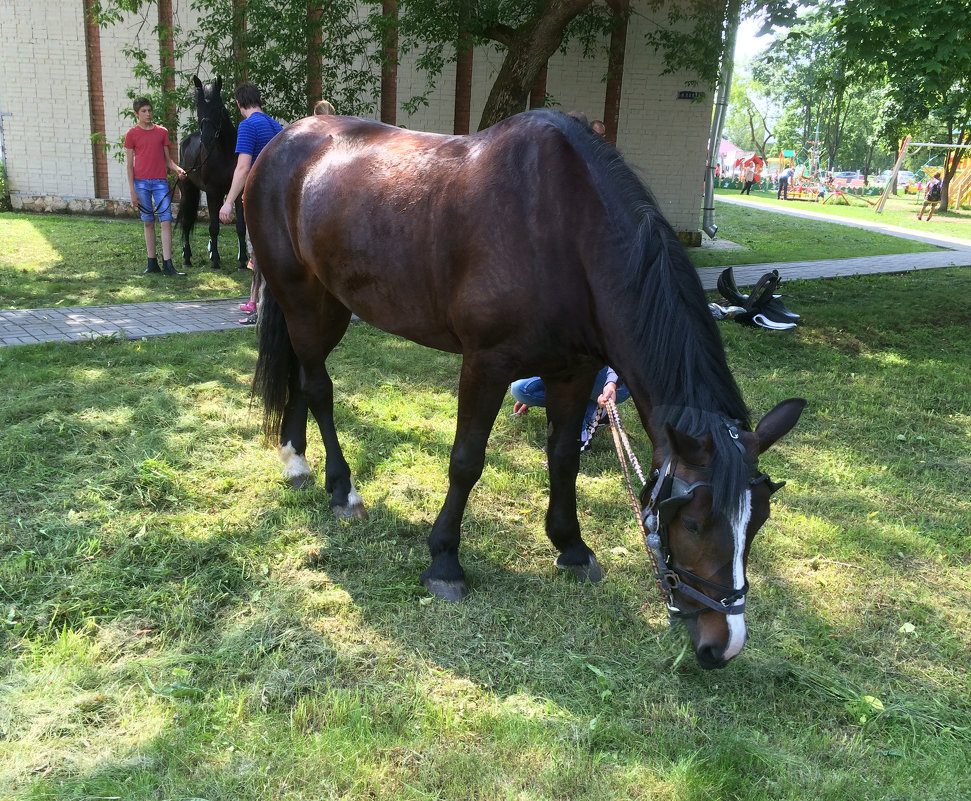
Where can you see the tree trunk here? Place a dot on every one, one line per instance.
(615, 67)
(462, 117)
(950, 168)
(240, 54)
(389, 62)
(527, 50)
(315, 81)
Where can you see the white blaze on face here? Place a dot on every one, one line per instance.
(736, 623)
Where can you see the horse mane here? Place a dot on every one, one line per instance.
(692, 387)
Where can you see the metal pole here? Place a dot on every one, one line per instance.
(721, 103)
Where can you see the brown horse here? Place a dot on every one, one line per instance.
(531, 249)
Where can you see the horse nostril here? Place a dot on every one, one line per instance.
(710, 657)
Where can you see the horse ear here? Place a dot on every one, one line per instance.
(690, 449)
(196, 81)
(778, 422)
(219, 84)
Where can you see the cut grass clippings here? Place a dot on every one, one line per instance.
(178, 624)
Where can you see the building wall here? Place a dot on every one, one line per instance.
(43, 88)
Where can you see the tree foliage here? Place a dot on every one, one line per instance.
(920, 51)
(274, 48)
(275, 44)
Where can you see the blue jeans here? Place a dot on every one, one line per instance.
(154, 198)
(532, 392)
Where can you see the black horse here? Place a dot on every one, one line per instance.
(531, 249)
(209, 158)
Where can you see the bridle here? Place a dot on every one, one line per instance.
(668, 494)
(203, 121)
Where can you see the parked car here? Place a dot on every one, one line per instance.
(904, 177)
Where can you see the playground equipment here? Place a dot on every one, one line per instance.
(959, 189)
(961, 183)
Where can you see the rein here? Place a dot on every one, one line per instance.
(668, 495)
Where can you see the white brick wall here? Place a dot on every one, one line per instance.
(43, 86)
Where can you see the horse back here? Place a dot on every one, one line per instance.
(446, 240)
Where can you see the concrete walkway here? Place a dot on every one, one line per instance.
(30, 326)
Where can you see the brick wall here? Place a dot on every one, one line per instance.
(47, 136)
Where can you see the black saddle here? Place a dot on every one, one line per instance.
(761, 307)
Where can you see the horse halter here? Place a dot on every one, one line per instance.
(668, 495)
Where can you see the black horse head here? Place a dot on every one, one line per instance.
(214, 122)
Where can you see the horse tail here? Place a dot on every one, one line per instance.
(188, 208)
(276, 365)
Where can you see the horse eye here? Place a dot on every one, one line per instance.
(693, 526)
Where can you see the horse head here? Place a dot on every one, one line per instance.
(214, 122)
(700, 536)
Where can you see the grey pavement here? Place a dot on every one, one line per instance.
(138, 320)
(132, 321)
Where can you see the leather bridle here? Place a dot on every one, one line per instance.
(668, 494)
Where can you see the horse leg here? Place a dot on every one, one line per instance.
(481, 390)
(313, 339)
(293, 436)
(242, 256)
(214, 202)
(186, 249)
(566, 402)
(188, 214)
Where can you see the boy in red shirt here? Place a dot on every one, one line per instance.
(146, 159)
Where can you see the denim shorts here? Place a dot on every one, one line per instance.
(154, 198)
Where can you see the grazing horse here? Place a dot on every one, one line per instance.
(531, 249)
(209, 157)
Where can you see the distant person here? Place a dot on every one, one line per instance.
(253, 134)
(784, 178)
(749, 177)
(324, 107)
(147, 156)
(931, 197)
(529, 392)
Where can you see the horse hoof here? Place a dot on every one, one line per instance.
(589, 572)
(350, 511)
(453, 591)
(300, 482)
(215, 266)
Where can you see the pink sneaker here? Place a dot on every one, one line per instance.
(247, 307)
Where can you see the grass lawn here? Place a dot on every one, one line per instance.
(56, 260)
(49, 260)
(177, 624)
(900, 210)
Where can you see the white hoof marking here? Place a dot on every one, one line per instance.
(294, 464)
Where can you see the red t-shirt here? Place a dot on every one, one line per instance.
(149, 146)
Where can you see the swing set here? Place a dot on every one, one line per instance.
(960, 187)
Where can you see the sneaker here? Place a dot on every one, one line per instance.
(249, 319)
(247, 307)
